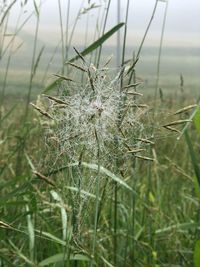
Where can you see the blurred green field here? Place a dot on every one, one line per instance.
(174, 62)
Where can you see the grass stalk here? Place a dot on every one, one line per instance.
(149, 225)
(147, 29)
(103, 31)
(62, 37)
(144, 37)
(16, 33)
(160, 52)
(97, 202)
(124, 40)
(9, 59)
(115, 240)
(125, 33)
(96, 35)
(32, 65)
(3, 30)
(118, 46)
(6, 12)
(67, 30)
(74, 27)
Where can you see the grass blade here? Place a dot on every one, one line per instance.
(193, 157)
(31, 233)
(88, 50)
(189, 121)
(60, 257)
(51, 237)
(7, 11)
(107, 173)
(21, 255)
(95, 168)
(51, 85)
(98, 42)
(197, 254)
(37, 61)
(83, 193)
(4, 259)
(179, 227)
(197, 120)
(7, 114)
(36, 8)
(56, 197)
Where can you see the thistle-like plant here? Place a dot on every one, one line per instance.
(95, 109)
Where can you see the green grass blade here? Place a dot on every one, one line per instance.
(193, 157)
(36, 8)
(88, 50)
(107, 173)
(31, 233)
(51, 237)
(21, 190)
(179, 227)
(189, 121)
(83, 193)
(60, 257)
(5, 14)
(197, 254)
(94, 167)
(7, 114)
(10, 183)
(37, 61)
(14, 203)
(98, 42)
(196, 186)
(63, 212)
(107, 263)
(197, 120)
(51, 85)
(21, 255)
(30, 162)
(4, 259)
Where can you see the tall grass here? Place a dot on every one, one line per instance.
(94, 175)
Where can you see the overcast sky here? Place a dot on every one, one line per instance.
(182, 25)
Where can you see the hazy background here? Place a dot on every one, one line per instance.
(182, 26)
(181, 44)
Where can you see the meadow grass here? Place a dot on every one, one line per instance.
(98, 171)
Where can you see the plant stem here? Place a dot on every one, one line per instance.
(125, 33)
(67, 31)
(32, 65)
(118, 52)
(104, 27)
(144, 37)
(97, 201)
(160, 52)
(62, 37)
(9, 59)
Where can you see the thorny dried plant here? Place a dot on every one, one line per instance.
(96, 109)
